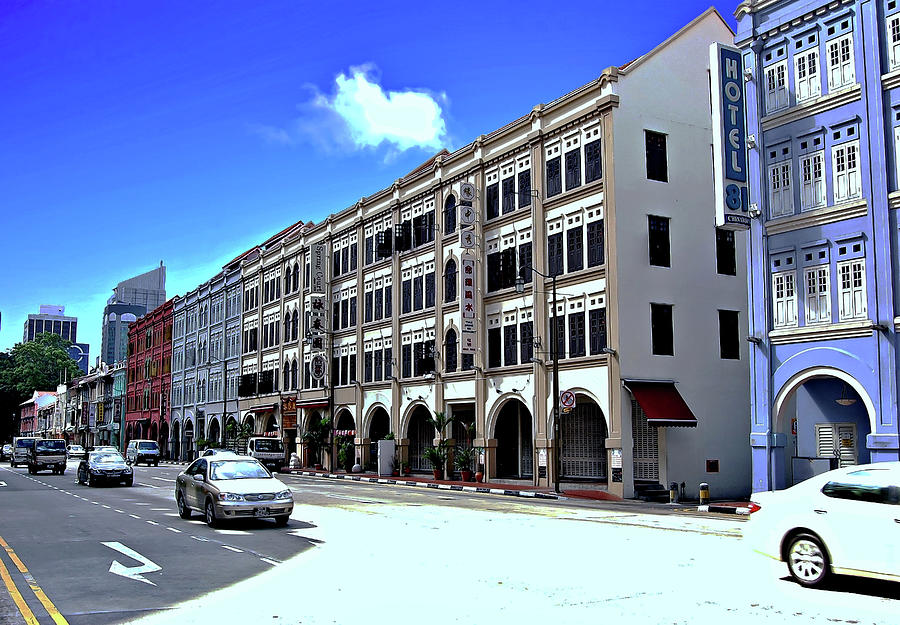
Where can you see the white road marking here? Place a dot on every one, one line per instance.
(2, 483)
(96, 503)
(134, 516)
(161, 479)
(107, 507)
(201, 539)
(171, 514)
(152, 522)
(120, 511)
(134, 572)
(172, 529)
(233, 532)
(234, 549)
(159, 509)
(272, 562)
(141, 504)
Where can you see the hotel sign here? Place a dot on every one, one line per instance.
(729, 107)
(318, 253)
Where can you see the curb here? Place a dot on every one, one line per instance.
(724, 509)
(452, 487)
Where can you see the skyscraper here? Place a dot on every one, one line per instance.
(53, 320)
(131, 298)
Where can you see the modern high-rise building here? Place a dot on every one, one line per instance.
(52, 319)
(131, 298)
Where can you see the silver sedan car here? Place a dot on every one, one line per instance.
(232, 487)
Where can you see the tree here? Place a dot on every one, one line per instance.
(38, 365)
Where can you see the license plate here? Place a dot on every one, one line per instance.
(260, 512)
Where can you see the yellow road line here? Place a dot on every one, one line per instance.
(58, 618)
(17, 596)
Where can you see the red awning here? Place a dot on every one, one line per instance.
(262, 409)
(313, 403)
(662, 404)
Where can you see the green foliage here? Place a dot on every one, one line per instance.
(388, 437)
(346, 453)
(316, 437)
(463, 457)
(440, 421)
(437, 456)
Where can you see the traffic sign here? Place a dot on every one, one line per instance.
(317, 367)
(567, 399)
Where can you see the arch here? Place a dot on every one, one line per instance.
(215, 434)
(378, 423)
(154, 431)
(370, 413)
(286, 372)
(578, 390)
(451, 280)
(583, 434)
(250, 420)
(295, 281)
(451, 349)
(295, 325)
(176, 440)
(163, 439)
(420, 433)
(294, 379)
(187, 440)
(511, 424)
(271, 424)
(801, 377)
(407, 415)
(344, 420)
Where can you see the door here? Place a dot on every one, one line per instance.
(837, 440)
(194, 488)
(646, 445)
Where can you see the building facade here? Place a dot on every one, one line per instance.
(131, 299)
(205, 362)
(823, 95)
(148, 386)
(51, 319)
(605, 189)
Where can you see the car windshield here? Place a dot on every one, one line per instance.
(106, 456)
(77, 448)
(237, 470)
(27, 442)
(271, 445)
(148, 445)
(50, 446)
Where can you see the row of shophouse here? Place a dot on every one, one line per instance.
(558, 286)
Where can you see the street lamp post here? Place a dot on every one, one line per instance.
(554, 352)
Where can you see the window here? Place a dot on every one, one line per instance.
(450, 280)
(370, 250)
(575, 245)
(840, 62)
(555, 254)
(595, 243)
(558, 331)
(784, 300)
(659, 241)
(407, 360)
(661, 331)
(525, 260)
(806, 75)
(893, 40)
(573, 169)
(524, 188)
(509, 195)
(576, 335)
(776, 87)
(510, 345)
(726, 263)
(494, 347)
(866, 486)
(418, 293)
(852, 292)
(354, 256)
(429, 290)
(526, 342)
(379, 364)
(818, 296)
(407, 296)
(492, 201)
(729, 335)
(845, 171)
(450, 215)
(657, 167)
(388, 365)
(597, 321)
(593, 162)
(450, 352)
(388, 302)
(368, 306)
(554, 177)
(812, 181)
(781, 197)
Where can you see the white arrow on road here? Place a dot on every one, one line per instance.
(2, 483)
(134, 572)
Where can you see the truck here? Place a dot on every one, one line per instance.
(269, 451)
(20, 448)
(47, 454)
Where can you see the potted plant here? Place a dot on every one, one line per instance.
(440, 421)
(437, 456)
(346, 451)
(404, 468)
(315, 439)
(462, 458)
(477, 453)
(395, 466)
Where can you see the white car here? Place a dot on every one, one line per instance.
(845, 521)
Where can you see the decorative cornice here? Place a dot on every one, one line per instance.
(822, 332)
(818, 217)
(813, 107)
(891, 80)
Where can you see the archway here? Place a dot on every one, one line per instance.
(583, 434)
(163, 440)
(344, 433)
(420, 433)
(512, 429)
(822, 418)
(251, 422)
(215, 434)
(379, 427)
(176, 440)
(271, 424)
(154, 431)
(187, 445)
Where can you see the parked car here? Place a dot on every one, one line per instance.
(104, 466)
(74, 452)
(47, 454)
(106, 448)
(20, 447)
(140, 450)
(6, 452)
(845, 521)
(268, 450)
(217, 452)
(231, 488)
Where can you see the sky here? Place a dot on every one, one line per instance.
(188, 132)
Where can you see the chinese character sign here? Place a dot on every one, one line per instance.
(318, 257)
(467, 305)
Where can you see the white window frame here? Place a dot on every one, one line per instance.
(892, 36)
(817, 282)
(812, 180)
(841, 68)
(784, 299)
(807, 83)
(776, 76)
(845, 171)
(852, 289)
(781, 192)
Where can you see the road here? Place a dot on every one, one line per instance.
(365, 553)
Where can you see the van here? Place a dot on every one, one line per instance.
(142, 450)
(47, 454)
(268, 450)
(20, 448)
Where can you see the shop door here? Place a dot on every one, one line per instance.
(646, 445)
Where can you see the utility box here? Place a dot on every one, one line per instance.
(386, 457)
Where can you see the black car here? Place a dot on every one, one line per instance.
(104, 466)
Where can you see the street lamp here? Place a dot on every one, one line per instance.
(554, 353)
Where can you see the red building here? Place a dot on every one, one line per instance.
(150, 377)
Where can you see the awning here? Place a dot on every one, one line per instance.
(313, 403)
(264, 408)
(662, 403)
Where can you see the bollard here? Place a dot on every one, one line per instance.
(704, 493)
(673, 492)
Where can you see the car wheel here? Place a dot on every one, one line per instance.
(281, 521)
(211, 514)
(807, 560)
(183, 511)
(130, 482)
(90, 480)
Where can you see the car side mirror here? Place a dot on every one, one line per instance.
(199, 477)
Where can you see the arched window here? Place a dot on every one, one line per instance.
(287, 327)
(287, 375)
(287, 280)
(450, 281)
(294, 374)
(295, 280)
(450, 215)
(295, 325)
(450, 352)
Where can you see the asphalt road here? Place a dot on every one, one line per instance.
(357, 552)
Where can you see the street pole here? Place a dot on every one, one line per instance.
(557, 462)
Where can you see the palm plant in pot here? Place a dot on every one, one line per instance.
(440, 421)
(437, 456)
(462, 458)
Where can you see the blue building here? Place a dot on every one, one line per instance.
(823, 95)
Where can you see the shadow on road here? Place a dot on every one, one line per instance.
(859, 586)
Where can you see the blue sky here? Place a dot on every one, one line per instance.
(134, 132)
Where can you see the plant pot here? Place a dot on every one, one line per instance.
(466, 475)
(438, 474)
(395, 473)
(479, 476)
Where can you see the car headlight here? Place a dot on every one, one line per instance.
(127, 469)
(285, 494)
(230, 497)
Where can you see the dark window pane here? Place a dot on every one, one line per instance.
(595, 243)
(388, 302)
(388, 365)
(378, 365)
(429, 290)
(661, 333)
(417, 293)
(407, 361)
(468, 362)
(593, 163)
(555, 254)
(573, 169)
(558, 329)
(367, 367)
(576, 335)
(407, 296)
(659, 241)
(352, 311)
(493, 272)
(492, 201)
(370, 250)
(353, 256)
(575, 245)
(508, 268)
(527, 341)
(525, 188)
(450, 215)
(494, 347)
(368, 305)
(510, 353)
(597, 322)
(345, 313)
(336, 263)
(554, 177)
(418, 358)
(509, 195)
(726, 257)
(450, 280)
(729, 335)
(345, 260)
(450, 350)
(525, 265)
(379, 297)
(657, 168)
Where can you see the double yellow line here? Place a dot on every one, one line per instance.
(17, 596)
